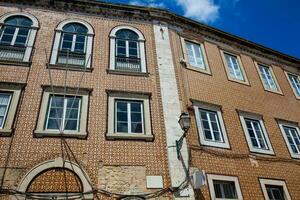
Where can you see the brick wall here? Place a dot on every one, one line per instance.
(217, 89)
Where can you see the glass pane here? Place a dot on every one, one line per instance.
(133, 53)
(121, 106)
(4, 99)
(79, 47)
(2, 110)
(1, 121)
(254, 142)
(136, 117)
(217, 136)
(136, 127)
(127, 34)
(72, 113)
(71, 124)
(73, 102)
(207, 135)
(136, 107)
(57, 101)
(122, 116)
(20, 40)
(75, 28)
(122, 127)
(54, 123)
(229, 190)
(56, 113)
(6, 39)
(218, 192)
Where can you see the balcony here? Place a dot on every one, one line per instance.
(71, 58)
(128, 64)
(12, 53)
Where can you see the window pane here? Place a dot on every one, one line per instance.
(122, 127)
(56, 112)
(122, 116)
(218, 192)
(73, 102)
(136, 117)
(72, 113)
(207, 135)
(54, 123)
(121, 106)
(136, 107)
(295, 83)
(293, 138)
(136, 127)
(195, 55)
(4, 105)
(71, 124)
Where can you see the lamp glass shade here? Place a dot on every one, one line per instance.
(184, 121)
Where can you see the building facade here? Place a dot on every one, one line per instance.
(91, 94)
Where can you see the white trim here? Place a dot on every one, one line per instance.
(56, 163)
(7, 108)
(292, 125)
(264, 182)
(288, 78)
(146, 118)
(58, 35)
(31, 34)
(83, 113)
(213, 108)
(141, 47)
(212, 177)
(263, 130)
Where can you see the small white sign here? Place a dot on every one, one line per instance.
(154, 182)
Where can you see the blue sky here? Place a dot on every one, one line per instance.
(272, 23)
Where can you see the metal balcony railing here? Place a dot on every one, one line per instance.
(71, 58)
(12, 53)
(128, 64)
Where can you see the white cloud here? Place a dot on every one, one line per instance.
(201, 10)
(149, 3)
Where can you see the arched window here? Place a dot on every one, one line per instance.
(17, 37)
(73, 44)
(127, 50)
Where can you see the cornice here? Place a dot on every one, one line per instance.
(146, 14)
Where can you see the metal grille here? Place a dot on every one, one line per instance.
(128, 64)
(12, 53)
(71, 58)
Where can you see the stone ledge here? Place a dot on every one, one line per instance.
(43, 133)
(129, 136)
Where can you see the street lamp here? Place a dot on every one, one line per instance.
(185, 124)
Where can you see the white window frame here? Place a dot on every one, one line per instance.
(129, 115)
(141, 47)
(73, 42)
(42, 131)
(278, 89)
(212, 177)
(240, 65)
(127, 48)
(31, 34)
(15, 91)
(288, 78)
(263, 182)
(252, 116)
(213, 108)
(206, 70)
(57, 41)
(113, 96)
(64, 114)
(295, 125)
(7, 107)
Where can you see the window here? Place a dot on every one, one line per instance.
(210, 125)
(129, 116)
(294, 81)
(256, 134)
(224, 187)
(291, 135)
(17, 36)
(234, 67)
(268, 79)
(62, 113)
(73, 44)
(4, 105)
(9, 99)
(127, 50)
(195, 56)
(274, 189)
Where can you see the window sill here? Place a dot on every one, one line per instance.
(15, 63)
(215, 144)
(130, 136)
(46, 133)
(204, 71)
(238, 81)
(274, 91)
(5, 132)
(129, 73)
(69, 67)
(261, 152)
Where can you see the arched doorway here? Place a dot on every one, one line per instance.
(56, 178)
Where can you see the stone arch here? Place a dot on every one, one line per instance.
(52, 164)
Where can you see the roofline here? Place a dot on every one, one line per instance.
(157, 13)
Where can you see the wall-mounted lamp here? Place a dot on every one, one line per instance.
(185, 124)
